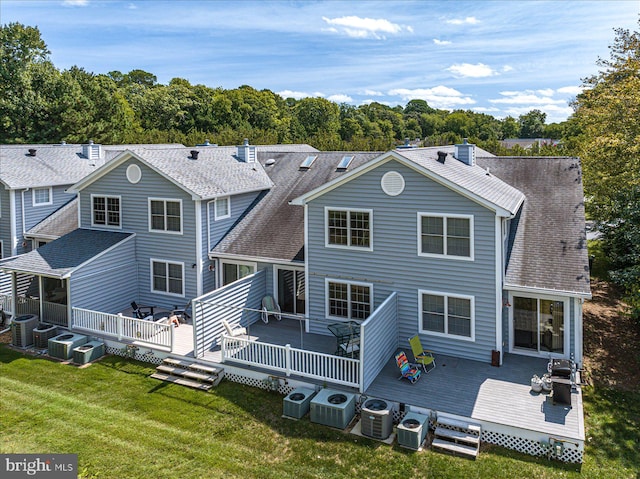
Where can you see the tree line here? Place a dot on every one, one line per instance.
(42, 104)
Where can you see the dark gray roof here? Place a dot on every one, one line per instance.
(473, 179)
(274, 229)
(62, 256)
(59, 223)
(549, 245)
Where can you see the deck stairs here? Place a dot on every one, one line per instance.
(457, 437)
(189, 373)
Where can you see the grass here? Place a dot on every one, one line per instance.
(123, 424)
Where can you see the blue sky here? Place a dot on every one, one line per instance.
(497, 57)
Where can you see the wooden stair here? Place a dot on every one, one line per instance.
(457, 437)
(188, 373)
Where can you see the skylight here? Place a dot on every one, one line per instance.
(345, 162)
(308, 161)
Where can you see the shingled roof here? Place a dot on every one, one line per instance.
(59, 258)
(548, 250)
(274, 229)
(62, 221)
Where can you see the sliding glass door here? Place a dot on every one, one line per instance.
(291, 291)
(538, 325)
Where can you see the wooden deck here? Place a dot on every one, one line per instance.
(472, 389)
(501, 395)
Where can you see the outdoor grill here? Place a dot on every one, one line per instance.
(560, 370)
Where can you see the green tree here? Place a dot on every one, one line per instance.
(532, 124)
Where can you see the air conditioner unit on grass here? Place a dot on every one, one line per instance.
(88, 352)
(376, 419)
(43, 333)
(297, 404)
(412, 430)
(62, 346)
(333, 408)
(22, 330)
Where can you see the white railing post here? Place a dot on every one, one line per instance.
(172, 332)
(119, 326)
(287, 359)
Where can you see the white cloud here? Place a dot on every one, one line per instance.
(340, 98)
(463, 21)
(132, 6)
(437, 97)
(357, 27)
(570, 90)
(507, 68)
(441, 42)
(479, 70)
(293, 94)
(373, 93)
(75, 3)
(528, 97)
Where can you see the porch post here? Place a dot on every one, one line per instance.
(14, 295)
(172, 332)
(287, 359)
(40, 301)
(119, 325)
(69, 308)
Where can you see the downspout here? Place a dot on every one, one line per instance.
(209, 225)
(13, 221)
(306, 267)
(23, 213)
(499, 271)
(198, 206)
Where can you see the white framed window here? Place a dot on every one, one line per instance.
(448, 315)
(167, 277)
(165, 215)
(235, 270)
(445, 235)
(348, 299)
(106, 211)
(42, 196)
(222, 208)
(348, 228)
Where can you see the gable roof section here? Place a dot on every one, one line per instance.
(274, 229)
(216, 172)
(62, 221)
(66, 254)
(549, 246)
(472, 182)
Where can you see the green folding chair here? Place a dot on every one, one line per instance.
(422, 356)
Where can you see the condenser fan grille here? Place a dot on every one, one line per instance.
(375, 405)
(337, 399)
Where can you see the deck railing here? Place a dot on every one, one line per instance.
(54, 313)
(122, 327)
(6, 303)
(288, 360)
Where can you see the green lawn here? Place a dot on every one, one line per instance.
(123, 424)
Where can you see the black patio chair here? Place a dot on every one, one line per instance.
(141, 312)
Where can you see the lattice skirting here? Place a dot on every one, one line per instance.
(570, 451)
(133, 352)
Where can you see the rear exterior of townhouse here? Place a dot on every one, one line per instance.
(432, 242)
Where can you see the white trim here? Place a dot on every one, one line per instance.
(198, 215)
(349, 283)
(578, 333)
(446, 296)
(566, 344)
(444, 236)
(306, 267)
(12, 220)
(133, 173)
(165, 201)
(498, 272)
(44, 203)
(556, 292)
(222, 262)
(391, 176)
(349, 246)
(167, 263)
(256, 259)
(107, 226)
(217, 217)
(393, 155)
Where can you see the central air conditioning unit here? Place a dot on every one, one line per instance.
(88, 352)
(22, 330)
(62, 346)
(297, 404)
(376, 419)
(333, 408)
(412, 430)
(43, 333)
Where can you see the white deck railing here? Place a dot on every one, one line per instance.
(122, 327)
(6, 303)
(288, 360)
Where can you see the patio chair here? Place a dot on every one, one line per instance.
(351, 348)
(181, 313)
(270, 307)
(408, 371)
(239, 331)
(141, 312)
(422, 356)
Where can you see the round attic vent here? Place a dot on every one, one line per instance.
(392, 183)
(134, 174)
